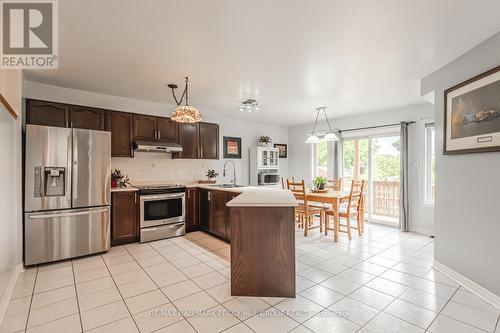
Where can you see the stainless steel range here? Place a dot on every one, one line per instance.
(162, 211)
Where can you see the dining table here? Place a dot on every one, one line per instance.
(334, 198)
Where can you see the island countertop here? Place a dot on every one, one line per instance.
(264, 198)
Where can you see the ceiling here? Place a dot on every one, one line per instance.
(292, 56)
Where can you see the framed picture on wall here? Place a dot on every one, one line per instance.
(232, 147)
(283, 149)
(472, 115)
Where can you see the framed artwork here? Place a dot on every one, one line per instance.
(283, 149)
(232, 147)
(472, 115)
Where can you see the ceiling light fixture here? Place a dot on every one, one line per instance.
(184, 113)
(330, 135)
(249, 105)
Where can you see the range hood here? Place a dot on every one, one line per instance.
(157, 146)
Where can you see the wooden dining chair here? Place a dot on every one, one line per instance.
(351, 210)
(305, 212)
(334, 184)
(284, 182)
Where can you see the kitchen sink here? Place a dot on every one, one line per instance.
(226, 185)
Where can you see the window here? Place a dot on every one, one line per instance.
(355, 153)
(429, 162)
(321, 159)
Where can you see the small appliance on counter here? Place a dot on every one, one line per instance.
(162, 211)
(67, 193)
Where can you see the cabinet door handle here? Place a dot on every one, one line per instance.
(159, 136)
(135, 197)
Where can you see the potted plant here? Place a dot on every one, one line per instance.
(265, 141)
(319, 183)
(211, 174)
(118, 179)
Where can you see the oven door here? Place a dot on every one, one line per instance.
(160, 209)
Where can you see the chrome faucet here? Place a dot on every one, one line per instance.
(234, 171)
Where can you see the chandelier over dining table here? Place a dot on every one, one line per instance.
(329, 135)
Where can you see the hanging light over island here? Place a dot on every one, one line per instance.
(184, 113)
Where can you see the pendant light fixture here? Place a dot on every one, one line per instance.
(184, 113)
(249, 105)
(330, 135)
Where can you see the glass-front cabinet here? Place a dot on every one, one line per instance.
(267, 158)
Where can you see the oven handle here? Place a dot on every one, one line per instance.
(162, 196)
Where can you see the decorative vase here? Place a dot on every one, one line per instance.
(114, 184)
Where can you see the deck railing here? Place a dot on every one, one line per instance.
(385, 198)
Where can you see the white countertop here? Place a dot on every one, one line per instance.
(123, 189)
(227, 189)
(264, 197)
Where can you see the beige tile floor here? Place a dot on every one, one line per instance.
(380, 282)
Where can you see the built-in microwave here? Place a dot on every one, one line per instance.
(268, 178)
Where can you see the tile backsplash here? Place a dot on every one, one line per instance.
(147, 168)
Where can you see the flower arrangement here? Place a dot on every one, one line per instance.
(118, 179)
(211, 174)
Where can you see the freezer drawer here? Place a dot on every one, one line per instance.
(57, 235)
(163, 231)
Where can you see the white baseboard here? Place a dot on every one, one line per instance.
(4, 302)
(484, 293)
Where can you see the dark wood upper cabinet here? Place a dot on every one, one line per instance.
(168, 130)
(47, 113)
(145, 127)
(121, 126)
(209, 141)
(86, 117)
(124, 218)
(198, 141)
(189, 140)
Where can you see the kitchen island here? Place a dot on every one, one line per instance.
(263, 243)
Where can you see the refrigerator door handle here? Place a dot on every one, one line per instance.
(87, 212)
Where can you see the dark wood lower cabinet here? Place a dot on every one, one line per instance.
(124, 217)
(213, 213)
(217, 221)
(263, 251)
(192, 209)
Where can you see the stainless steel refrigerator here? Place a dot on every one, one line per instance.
(67, 193)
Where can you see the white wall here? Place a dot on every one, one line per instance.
(155, 167)
(10, 169)
(467, 186)
(421, 217)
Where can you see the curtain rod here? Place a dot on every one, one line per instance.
(378, 126)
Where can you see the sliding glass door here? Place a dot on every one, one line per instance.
(376, 160)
